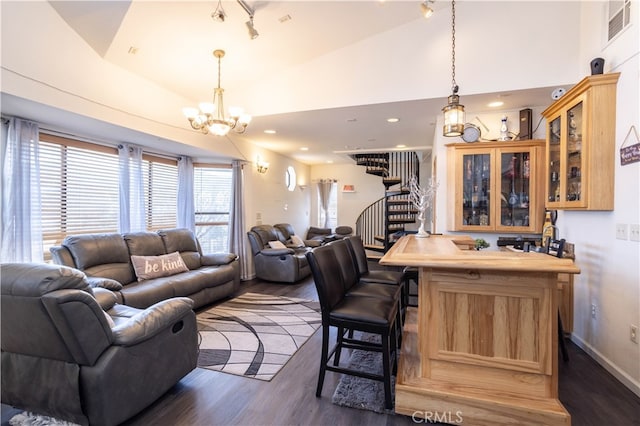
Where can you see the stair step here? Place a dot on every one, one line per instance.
(379, 238)
(396, 221)
(391, 180)
(397, 201)
(374, 247)
(401, 191)
(376, 171)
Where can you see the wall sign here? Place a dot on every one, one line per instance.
(630, 154)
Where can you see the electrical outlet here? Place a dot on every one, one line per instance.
(593, 310)
(622, 231)
(633, 333)
(634, 232)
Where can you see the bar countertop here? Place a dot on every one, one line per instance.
(452, 251)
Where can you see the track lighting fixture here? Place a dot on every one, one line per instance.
(426, 9)
(253, 33)
(219, 14)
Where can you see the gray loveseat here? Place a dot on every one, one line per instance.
(106, 260)
(285, 265)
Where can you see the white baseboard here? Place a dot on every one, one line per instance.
(623, 377)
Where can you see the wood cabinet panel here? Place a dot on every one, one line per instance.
(496, 186)
(581, 146)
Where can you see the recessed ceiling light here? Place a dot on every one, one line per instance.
(284, 18)
(392, 120)
(329, 161)
(133, 50)
(401, 146)
(495, 104)
(270, 132)
(351, 120)
(304, 148)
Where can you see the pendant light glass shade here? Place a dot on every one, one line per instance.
(453, 117)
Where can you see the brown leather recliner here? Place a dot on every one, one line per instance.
(76, 355)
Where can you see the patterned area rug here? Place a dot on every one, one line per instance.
(361, 393)
(27, 418)
(254, 335)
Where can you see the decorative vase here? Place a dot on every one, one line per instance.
(422, 233)
(597, 66)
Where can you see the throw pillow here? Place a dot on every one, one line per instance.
(147, 267)
(277, 245)
(297, 241)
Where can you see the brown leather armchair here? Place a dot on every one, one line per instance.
(76, 355)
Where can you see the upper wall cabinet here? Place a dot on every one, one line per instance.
(581, 146)
(496, 186)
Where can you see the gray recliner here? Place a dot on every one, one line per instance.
(286, 265)
(76, 355)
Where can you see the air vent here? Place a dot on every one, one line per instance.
(619, 17)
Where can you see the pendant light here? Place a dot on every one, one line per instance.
(453, 111)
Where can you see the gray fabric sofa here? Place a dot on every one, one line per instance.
(284, 265)
(71, 352)
(106, 260)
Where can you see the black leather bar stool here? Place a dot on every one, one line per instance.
(382, 276)
(360, 313)
(357, 287)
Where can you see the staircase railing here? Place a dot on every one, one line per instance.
(380, 219)
(371, 222)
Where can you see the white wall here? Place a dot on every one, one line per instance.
(610, 276)
(267, 198)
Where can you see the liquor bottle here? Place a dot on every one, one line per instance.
(548, 229)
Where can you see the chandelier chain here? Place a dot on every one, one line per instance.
(454, 86)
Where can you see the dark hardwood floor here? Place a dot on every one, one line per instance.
(204, 397)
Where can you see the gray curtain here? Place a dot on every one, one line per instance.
(132, 213)
(186, 203)
(237, 228)
(324, 191)
(21, 216)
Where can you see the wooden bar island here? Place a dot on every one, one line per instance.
(482, 346)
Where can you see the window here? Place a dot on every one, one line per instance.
(212, 191)
(80, 189)
(79, 186)
(160, 178)
(332, 209)
(290, 178)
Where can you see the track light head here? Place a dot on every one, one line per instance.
(426, 9)
(219, 15)
(253, 33)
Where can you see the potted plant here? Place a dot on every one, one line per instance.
(481, 243)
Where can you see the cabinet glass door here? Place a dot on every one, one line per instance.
(553, 194)
(476, 184)
(515, 188)
(573, 178)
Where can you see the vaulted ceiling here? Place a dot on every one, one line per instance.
(324, 74)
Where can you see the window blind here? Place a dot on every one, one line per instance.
(79, 191)
(161, 193)
(212, 192)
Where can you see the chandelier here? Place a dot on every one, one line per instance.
(453, 112)
(210, 117)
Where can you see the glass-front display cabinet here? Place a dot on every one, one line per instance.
(581, 146)
(496, 186)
